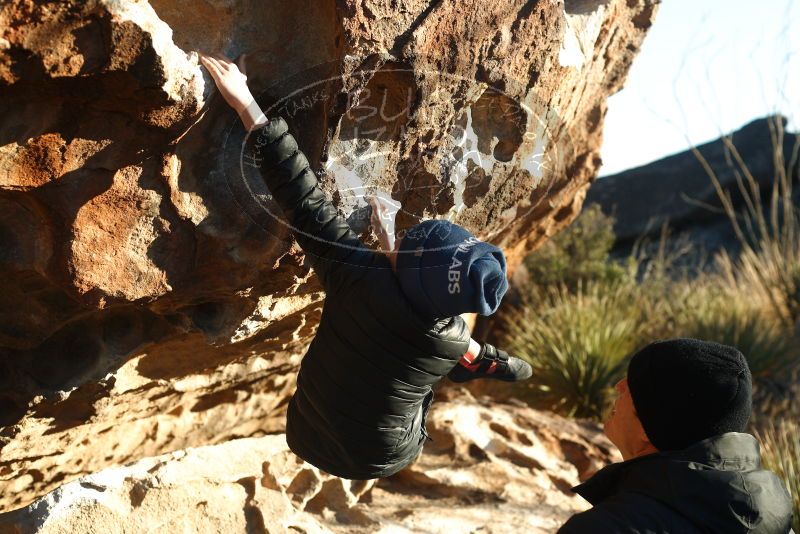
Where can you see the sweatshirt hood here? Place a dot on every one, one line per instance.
(717, 484)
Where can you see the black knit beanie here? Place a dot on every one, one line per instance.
(687, 390)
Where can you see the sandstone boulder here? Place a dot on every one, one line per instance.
(490, 468)
(149, 300)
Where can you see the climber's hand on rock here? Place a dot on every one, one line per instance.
(230, 79)
(382, 219)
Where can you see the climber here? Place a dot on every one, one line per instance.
(679, 422)
(390, 327)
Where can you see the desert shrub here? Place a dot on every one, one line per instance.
(768, 276)
(578, 338)
(579, 253)
(713, 314)
(577, 343)
(780, 452)
(578, 332)
(578, 335)
(762, 284)
(583, 314)
(767, 271)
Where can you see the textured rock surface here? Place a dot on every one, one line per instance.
(146, 304)
(489, 469)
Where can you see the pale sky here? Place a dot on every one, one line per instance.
(706, 67)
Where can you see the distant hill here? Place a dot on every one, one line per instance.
(677, 190)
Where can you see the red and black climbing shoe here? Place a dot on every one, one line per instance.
(491, 362)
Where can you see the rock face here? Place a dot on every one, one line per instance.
(677, 191)
(149, 301)
(491, 468)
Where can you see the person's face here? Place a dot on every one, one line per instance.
(623, 426)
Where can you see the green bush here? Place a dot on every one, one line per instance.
(767, 271)
(768, 277)
(715, 315)
(780, 452)
(577, 343)
(578, 337)
(579, 253)
(582, 313)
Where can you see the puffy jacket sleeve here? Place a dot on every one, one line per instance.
(333, 249)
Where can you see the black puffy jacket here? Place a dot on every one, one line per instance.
(365, 383)
(714, 486)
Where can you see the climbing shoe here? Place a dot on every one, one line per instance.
(491, 362)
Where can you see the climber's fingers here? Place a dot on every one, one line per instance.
(217, 60)
(241, 64)
(208, 59)
(220, 67)
(378, 208)
(382, 207)
(373, 203)
(216, 72)
(224, 62)
(212, 65)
